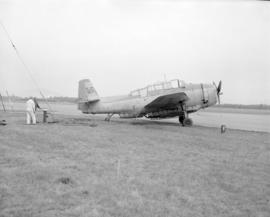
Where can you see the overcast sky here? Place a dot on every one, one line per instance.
(126, 44)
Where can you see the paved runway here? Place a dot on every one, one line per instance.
(251, 122)
(244, 119)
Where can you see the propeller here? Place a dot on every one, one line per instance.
(218, 88)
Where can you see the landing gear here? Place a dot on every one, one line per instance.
(183, 116)
(109, 116)
(181, 119)
(185, 121)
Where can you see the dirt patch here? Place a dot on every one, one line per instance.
(3, 123)
(65, 181)
(74, 122)
(78, 122)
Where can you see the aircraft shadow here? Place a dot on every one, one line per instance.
(152, 123)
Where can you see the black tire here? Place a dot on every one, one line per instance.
(181, 120)
(187, 122)
(223, 128)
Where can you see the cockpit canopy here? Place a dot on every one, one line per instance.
(157, 88)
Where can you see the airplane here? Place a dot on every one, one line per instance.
(166, 99)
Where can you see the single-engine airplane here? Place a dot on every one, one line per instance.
(160, 100)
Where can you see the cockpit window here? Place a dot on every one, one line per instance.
(157, 88)
(182, 84)
(143, 92)
(135, 93)
(175, 84)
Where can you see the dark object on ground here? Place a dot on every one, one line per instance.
(65, 181)
(223, 128)
(3, 123)
(93, 125)
(45, 115)
(53, 122)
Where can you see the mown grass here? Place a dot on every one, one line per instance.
(88, 167)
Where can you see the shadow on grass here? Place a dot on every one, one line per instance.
(75, 122)
(153, 122)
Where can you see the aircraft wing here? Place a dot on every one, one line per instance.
(167, 101)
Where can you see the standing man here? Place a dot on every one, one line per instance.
(31, 107)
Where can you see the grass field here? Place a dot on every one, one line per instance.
(87, 167)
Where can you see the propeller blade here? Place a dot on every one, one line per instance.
(219, 87)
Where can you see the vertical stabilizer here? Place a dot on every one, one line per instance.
(87, 92)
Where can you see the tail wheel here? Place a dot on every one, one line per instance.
(187, 122)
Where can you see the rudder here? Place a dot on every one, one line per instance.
(87, 92)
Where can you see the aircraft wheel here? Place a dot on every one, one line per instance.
(187, 122)
(181, 119)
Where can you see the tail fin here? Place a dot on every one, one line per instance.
(87, 93)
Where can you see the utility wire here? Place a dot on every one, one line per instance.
(26, 67)
(3, 103)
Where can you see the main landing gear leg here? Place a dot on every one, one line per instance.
(183, 116)
(109, 116)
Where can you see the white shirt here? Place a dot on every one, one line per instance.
(30, 105)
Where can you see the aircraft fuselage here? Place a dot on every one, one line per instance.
(128, 106)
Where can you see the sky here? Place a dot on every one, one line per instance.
(121, 45)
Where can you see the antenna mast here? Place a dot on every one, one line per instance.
(26, 67)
